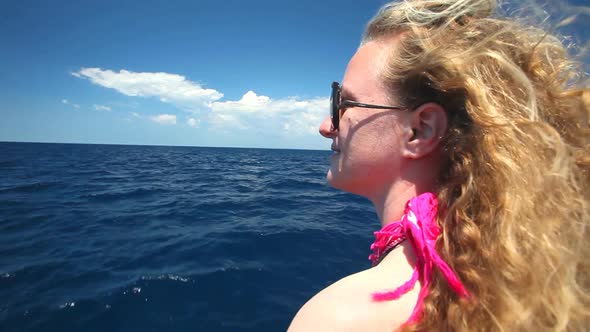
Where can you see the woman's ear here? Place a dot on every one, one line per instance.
(429, 125)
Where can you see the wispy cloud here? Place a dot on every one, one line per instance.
(192, 122)
(164, 119)
(67, 102)
(169, 88)
(102, 108)
(132, 115)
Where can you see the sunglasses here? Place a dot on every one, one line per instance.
(339, 105)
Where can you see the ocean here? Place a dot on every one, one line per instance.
(154, 238)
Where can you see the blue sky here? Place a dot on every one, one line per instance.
(200, 73)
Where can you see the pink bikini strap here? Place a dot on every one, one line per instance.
(421, 229)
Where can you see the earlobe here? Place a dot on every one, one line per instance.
(429, 125)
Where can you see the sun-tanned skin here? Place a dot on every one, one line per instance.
(347, 305)
(388, 156)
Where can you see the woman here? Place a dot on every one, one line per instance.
(469, 133)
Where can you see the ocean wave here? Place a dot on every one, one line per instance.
(31, 187)
(124, 194)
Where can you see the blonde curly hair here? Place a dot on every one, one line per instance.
(515, 190)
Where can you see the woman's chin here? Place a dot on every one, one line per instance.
(330, 177)
(333, 179)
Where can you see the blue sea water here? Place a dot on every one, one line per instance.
(150, 238)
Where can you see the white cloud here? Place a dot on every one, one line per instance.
(258, 114)
(250, 102)
(169, 88)
(192, 122)
(135, 115)
(164, 119)
(102, 108)
(67, 102)
(293, 115)
(226, 121)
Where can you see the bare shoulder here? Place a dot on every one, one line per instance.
(347, 305)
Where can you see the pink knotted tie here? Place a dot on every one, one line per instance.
(418, 225)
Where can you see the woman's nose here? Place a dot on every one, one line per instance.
(326, 128)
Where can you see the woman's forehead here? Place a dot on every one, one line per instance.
(362, 76)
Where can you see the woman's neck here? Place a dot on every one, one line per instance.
(391, 202)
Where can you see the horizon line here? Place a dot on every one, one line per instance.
(166, 145)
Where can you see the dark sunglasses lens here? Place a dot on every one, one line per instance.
(335, 105)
